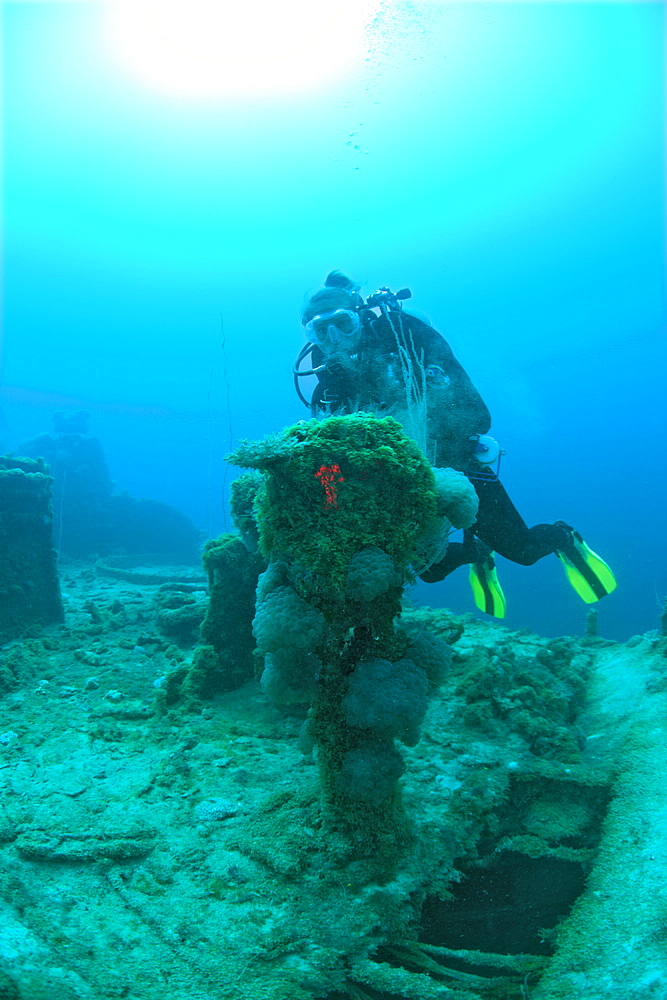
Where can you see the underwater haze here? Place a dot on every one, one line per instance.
(167, 209)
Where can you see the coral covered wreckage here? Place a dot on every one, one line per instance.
(331, 795)
(348, 504)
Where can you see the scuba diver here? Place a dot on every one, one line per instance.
(373, 356)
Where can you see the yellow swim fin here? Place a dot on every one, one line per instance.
(486, 587)
(586, 572)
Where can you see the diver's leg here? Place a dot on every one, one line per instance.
(470, 550)
(502, 528)
(500, 525)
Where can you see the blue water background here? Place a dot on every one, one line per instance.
(504, 161)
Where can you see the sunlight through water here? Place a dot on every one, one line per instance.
(207, 50)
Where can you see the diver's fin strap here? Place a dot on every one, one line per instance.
(486, 588)
(586, 572)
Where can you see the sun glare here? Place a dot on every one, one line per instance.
(203, 49)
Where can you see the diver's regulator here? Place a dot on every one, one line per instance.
(384, 299)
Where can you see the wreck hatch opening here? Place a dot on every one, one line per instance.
(505, 907)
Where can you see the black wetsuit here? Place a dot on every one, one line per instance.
(374, 380)
(499, 528)
(402, 349)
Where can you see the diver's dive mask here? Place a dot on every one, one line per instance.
(335, 328)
